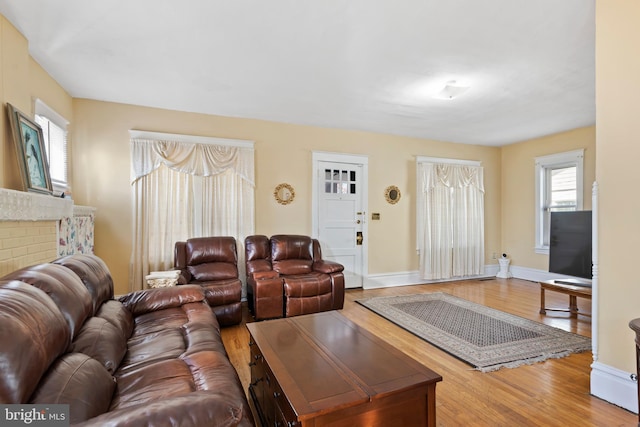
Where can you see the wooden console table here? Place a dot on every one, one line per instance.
(573, 290)
(322, 369)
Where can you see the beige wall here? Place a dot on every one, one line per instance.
(22, 80)
(518, 190)
(283, 154)
(618, 151)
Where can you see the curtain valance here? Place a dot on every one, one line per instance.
(189, 158)
(452, 176)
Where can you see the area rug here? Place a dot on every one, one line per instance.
(483, 337)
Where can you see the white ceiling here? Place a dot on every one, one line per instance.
(351, 64)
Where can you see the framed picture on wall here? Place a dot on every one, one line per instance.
(32, 158)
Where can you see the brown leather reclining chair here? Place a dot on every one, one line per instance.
(212, 262)
(286, 276)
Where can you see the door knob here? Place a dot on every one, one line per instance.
(359, 238)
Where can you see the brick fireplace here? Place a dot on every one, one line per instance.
(36, 228)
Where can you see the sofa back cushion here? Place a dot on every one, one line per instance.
(257, 254)
(93, 273)
(117, 314)
(77, 380)
(291, 254)
(65, 289)
(212, 258)
(38, 333)
(101, 341)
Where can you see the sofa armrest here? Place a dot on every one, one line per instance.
(327, 267)
(198, 408)
(184, 277)
(148, 300)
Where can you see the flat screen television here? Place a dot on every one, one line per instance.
(570, 244)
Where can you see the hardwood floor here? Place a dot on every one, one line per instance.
(552, 393)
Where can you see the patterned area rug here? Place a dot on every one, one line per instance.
(483, 337)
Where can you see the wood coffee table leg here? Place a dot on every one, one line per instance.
(573, 305)
(542, 310)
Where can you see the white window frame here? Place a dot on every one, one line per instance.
(573, 158)
(42, 109)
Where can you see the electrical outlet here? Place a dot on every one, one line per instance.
(494, 256)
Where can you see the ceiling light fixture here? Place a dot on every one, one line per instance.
(451, 90)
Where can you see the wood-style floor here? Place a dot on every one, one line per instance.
(552, 393)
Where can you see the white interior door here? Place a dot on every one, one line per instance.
(341, 219)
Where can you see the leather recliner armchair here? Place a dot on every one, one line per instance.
(286, 276)
(212, 263)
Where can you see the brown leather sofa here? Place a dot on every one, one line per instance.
(286, 276)
(153, 357)
(212, 262)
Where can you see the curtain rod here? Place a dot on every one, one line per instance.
(194, 139)
(424, 159)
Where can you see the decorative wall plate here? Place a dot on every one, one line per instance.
(284, 193)
(392, 194)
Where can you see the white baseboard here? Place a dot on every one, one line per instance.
(614, 386)
(390, 280)
(535, 275)
(405, 278)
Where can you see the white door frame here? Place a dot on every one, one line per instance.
(323, 156)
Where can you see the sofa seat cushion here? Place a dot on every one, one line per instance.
(167, 334)
(173, 318)
(202, 337)
(200, 408)
(198, 371)
(213, 371)
(151, 348)
(77, 380)
(153, 382)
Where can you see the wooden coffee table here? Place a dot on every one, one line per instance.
(573, 290)
(322, 369)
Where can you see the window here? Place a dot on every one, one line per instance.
(54, 130)
(449, 218)
(339, 182)
(187, 186)
(559, 185)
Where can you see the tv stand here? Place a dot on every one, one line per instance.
(572, 289)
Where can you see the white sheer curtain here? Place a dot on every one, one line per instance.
(450, 218)
(185, 189)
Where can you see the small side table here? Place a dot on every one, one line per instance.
(162, 279)
(504, 272)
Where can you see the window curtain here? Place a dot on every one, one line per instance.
(450, 220)
(183, 190)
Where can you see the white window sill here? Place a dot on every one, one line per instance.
(544, 250)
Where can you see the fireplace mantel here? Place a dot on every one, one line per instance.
(23, 206)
